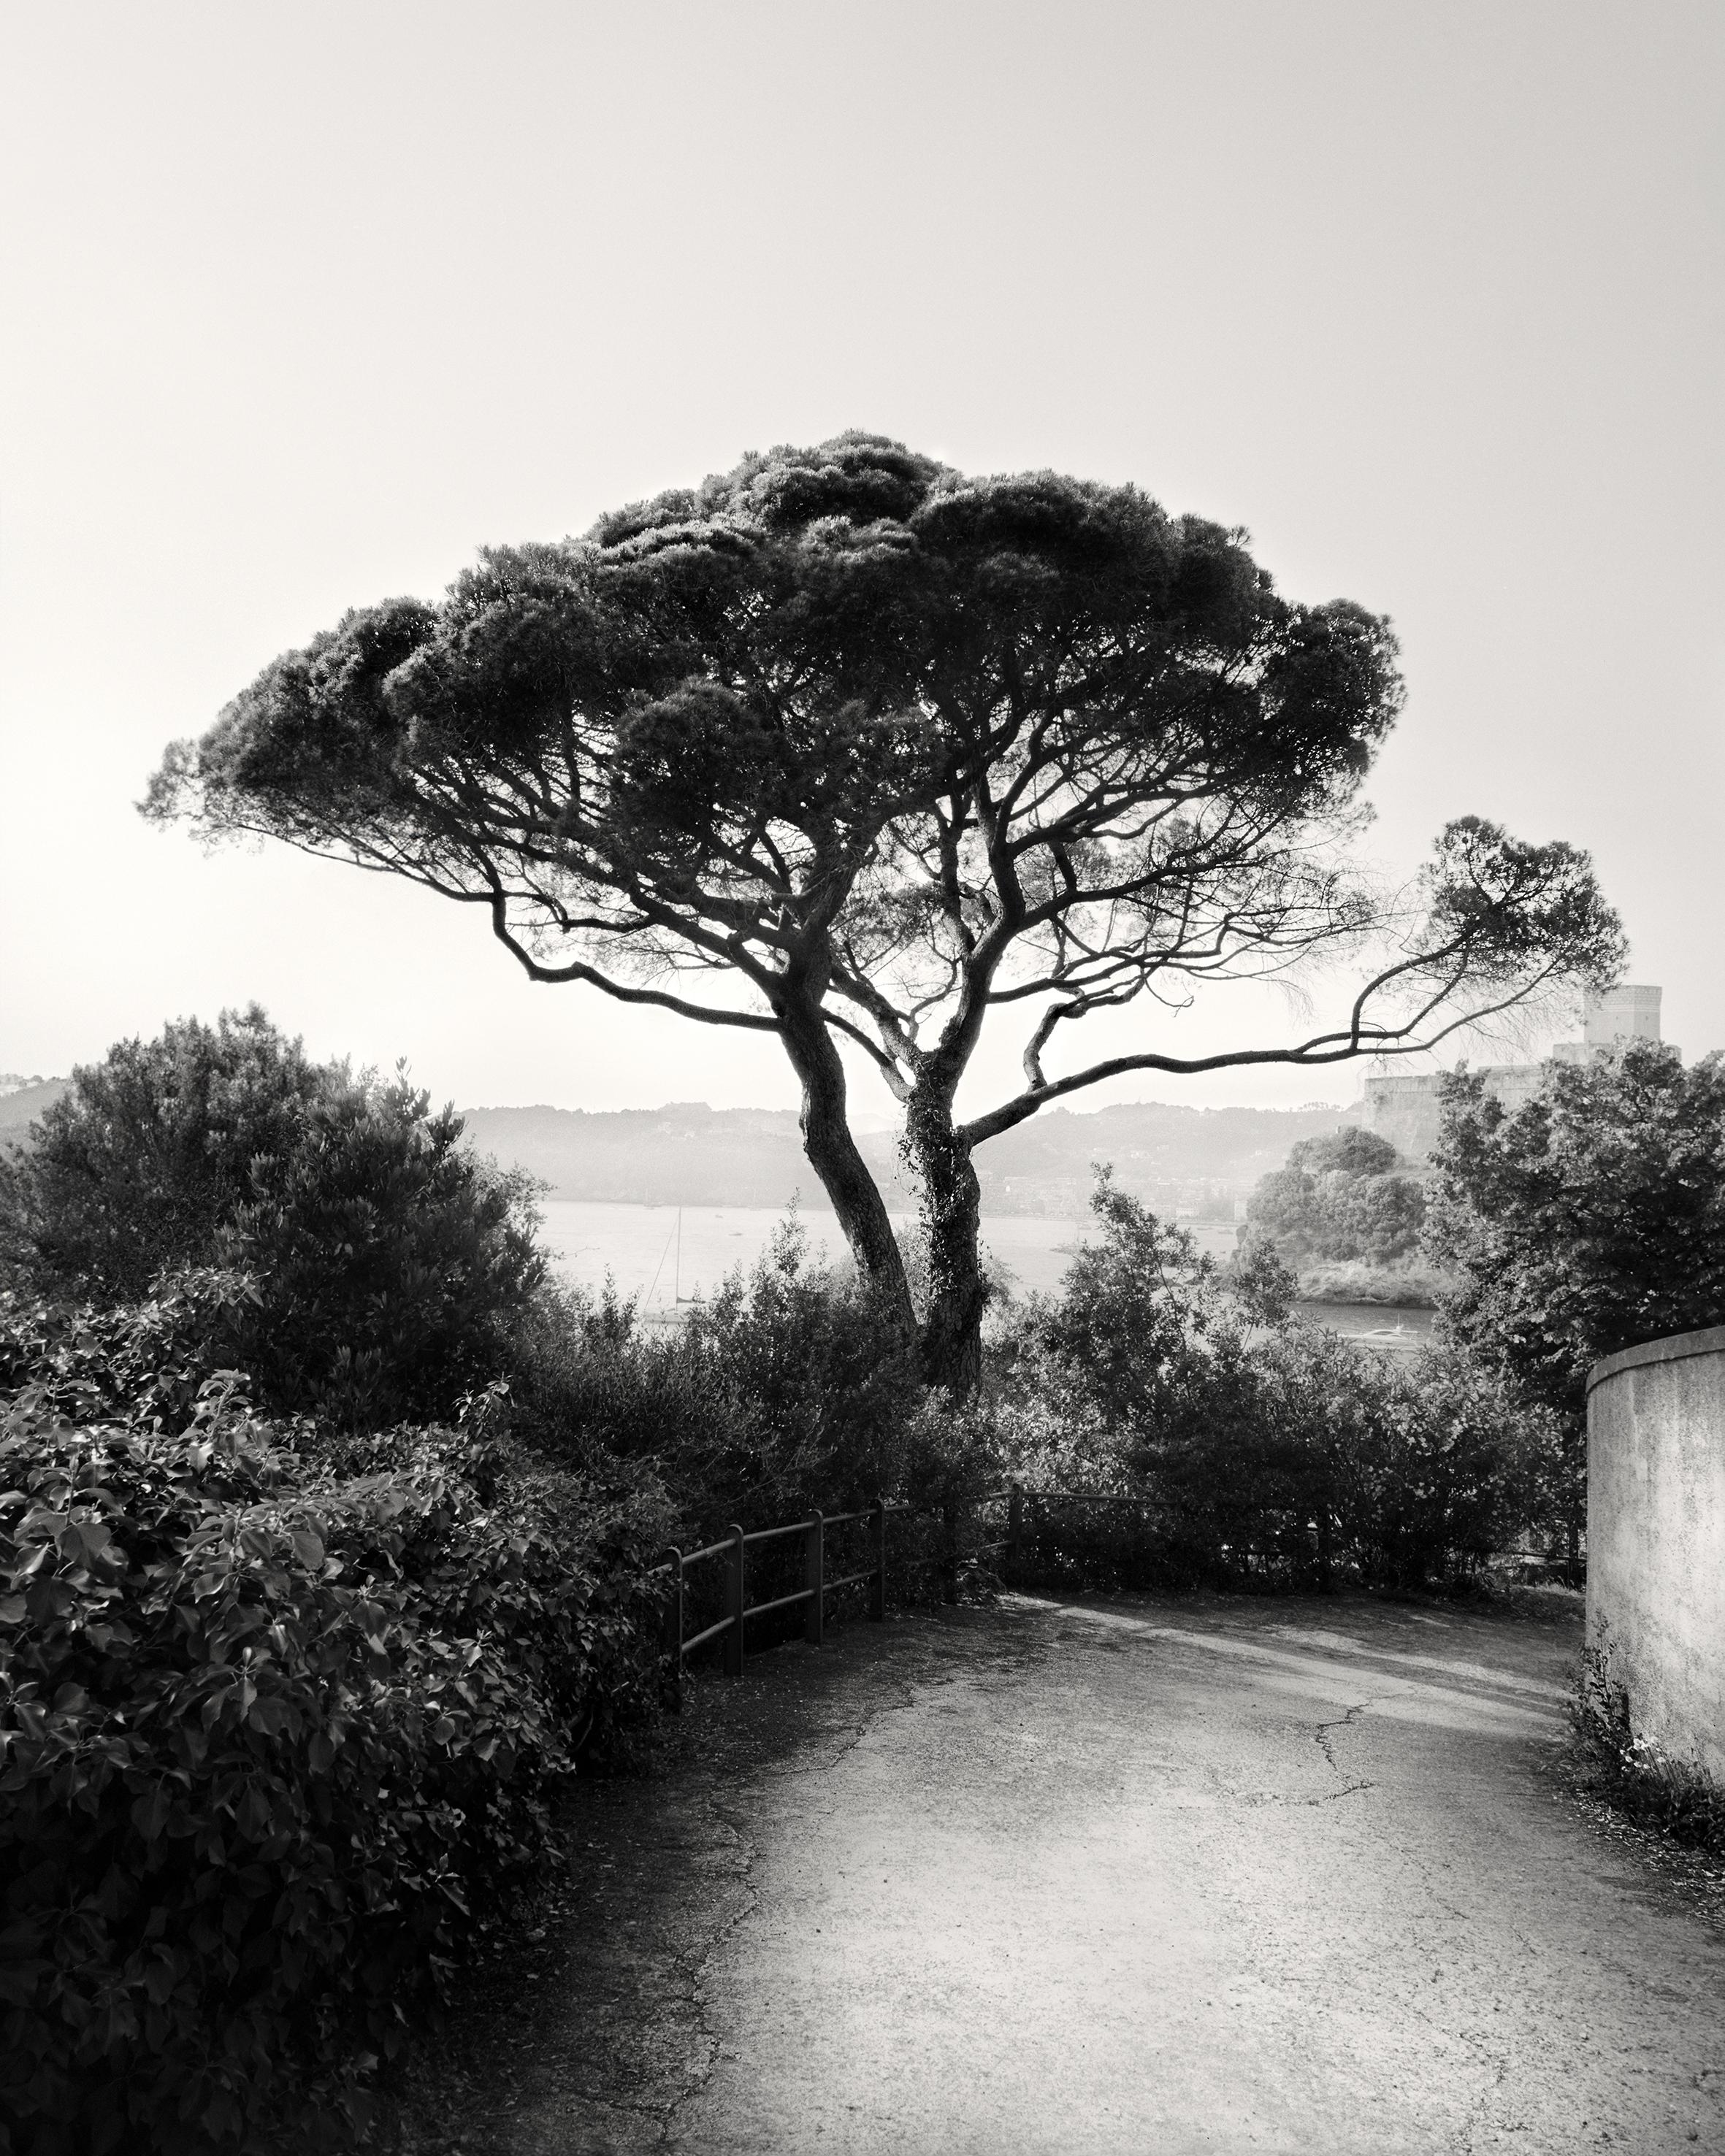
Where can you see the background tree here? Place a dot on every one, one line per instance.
(894, 750)
(1591, 1219)
(1338, 1199)
(390, 1265)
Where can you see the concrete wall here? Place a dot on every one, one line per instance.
(1655, 1537)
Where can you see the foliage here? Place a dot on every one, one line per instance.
(388, 1264)
(785, 1391)
(391, 1263)
(1249, 1443)
(906, 751)
(1338, 1199)
(138, 1166)
(144, 1363)
(1590, 1220)
(269, 1725)
(1401, 1286)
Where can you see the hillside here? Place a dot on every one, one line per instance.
(1177, 1158)
(1194, 1160)
(1197, 1161)
(684, 1154)
(20, 1107)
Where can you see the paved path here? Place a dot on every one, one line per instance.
(1139, 1876)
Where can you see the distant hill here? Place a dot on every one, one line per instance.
(1178, 1159)
(20, 1107)
(1196, 1161)
(685, 1154)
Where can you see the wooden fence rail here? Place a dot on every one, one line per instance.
(733, 1627)
(735, 1545)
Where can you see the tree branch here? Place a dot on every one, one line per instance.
(1357, 1041)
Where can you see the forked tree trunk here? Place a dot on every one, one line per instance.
(844, 1174)
(951, 1336)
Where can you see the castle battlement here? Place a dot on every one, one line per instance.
(1404, 1106)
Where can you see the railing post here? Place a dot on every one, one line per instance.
(671, 1633)
(877, 1581)
(949, 1550)
(815, 1579)
(739, 1603)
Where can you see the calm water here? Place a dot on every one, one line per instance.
(640, 1247)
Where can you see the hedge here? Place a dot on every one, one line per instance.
(272, 1729)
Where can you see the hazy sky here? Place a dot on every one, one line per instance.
(301, 305)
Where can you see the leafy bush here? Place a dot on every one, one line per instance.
(1588, 1219)
(148, 1155)
(1400, 1286)
(389, 1265)
(1420, 1468)
(145, 1362)
(392, 1265)
(1210, 1436)
(785, 1391)
(268, 1723)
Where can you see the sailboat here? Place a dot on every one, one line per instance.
(677, 1294)
(673, 1242)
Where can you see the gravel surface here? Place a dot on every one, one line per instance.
(1135, 1874)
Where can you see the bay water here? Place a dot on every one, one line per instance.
(667, 1256)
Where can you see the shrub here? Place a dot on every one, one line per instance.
(144, 1362)
(1420, 1469)
(1210, 1437)
(389, 1264)
(787, 1390)
(392, 1265)
(268, 1724)
(148, 1154)
(1402, 1286)
(1587, 1220)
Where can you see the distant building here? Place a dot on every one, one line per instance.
(1407, 1110)
(1620, 1015)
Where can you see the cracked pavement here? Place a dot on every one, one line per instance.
(1105, 1875)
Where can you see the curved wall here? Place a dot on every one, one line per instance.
(1655, 1540)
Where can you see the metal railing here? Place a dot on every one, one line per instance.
(1028, 1510)
(1015, 1496)
(734, 1548)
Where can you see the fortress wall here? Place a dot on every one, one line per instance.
(1407, 1110)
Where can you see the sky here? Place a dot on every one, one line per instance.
(302, 306)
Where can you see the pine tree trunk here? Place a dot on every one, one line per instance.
(952, 1217)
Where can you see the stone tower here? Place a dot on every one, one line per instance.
(1624, 1013)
